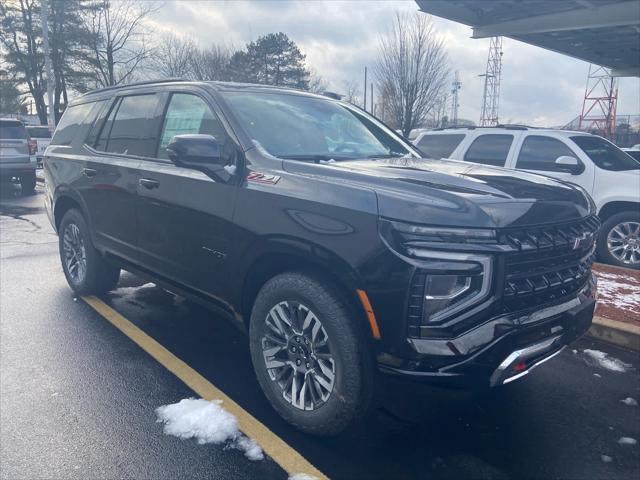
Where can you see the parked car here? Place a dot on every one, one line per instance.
(16, 149)
(611, 176)
(42, 136)
(345, 256)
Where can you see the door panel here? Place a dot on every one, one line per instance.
(185, 225)
(184, 216)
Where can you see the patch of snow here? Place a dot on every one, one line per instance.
(619, 291)
(606, 361)
(630, 401)
(606, 458)
(302, 476)
(207, 422)
(574, 351)
(627, 441)
(597, 375)
(127, 291)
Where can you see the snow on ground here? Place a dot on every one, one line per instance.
(606, 361)
(627, 441)
(619, 291)
(207, 422)
(632, 402)
(129, 291)
(302, 476)
(606, 458)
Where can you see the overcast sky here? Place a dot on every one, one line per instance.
(340, 38)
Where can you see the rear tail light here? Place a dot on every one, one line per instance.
(33, 146)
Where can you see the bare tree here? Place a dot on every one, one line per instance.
(174, 56)
(351, 92)
(317, 83)
(211, 63)
(119, 42)
(412, 70)
(20, 48)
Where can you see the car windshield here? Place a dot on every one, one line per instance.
(605, 154)
(306, 128)
(12, 130)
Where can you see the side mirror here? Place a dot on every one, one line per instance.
(572, 165)
(200, 152)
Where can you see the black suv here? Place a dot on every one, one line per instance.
(344, 254)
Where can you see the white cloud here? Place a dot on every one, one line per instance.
(340, 38)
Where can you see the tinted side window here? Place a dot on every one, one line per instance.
(439, 146)
(69, 126)
(540, 153)
(103, 138)
(135, 127)
(490, 149)
(188, 114)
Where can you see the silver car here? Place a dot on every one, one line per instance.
(16, 150)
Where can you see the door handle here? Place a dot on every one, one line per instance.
(89, 172)
(148, 183)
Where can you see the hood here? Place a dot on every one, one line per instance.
(455, 193)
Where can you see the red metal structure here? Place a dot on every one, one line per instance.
(600, 101)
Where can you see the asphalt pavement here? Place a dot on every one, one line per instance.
(78, 397)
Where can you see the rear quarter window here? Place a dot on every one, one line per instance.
(70, 126)
(441, 145)
(490, 149)
(12, 131)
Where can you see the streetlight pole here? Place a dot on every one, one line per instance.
(47, 61)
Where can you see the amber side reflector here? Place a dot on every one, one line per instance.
(366, 304)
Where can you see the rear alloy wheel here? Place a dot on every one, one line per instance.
(86, 270)
(619, 242)
(309, 355)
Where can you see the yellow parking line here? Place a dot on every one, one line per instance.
(285, 456)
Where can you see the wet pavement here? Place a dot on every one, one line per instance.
(78, 397)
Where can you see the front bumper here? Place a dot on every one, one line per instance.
(500, 350)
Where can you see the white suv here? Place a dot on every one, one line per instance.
(611, 176)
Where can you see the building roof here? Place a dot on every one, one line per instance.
(603, 32)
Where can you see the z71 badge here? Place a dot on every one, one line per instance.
(263, 178)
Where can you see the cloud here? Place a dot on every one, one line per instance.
(340, 38)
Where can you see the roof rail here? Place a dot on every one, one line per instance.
(135, 84)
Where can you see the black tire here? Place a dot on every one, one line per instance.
(28, 183)
(604, 255)
(353, 381)
(99, 275)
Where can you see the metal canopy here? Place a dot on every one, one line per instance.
(603, 32)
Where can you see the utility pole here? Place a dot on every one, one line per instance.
(456, 86)
(492, 75)
(47, 62)
(372, 112)
(365, 89)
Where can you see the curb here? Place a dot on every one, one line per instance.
(618, 333)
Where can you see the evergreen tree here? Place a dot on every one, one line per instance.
(273, 59)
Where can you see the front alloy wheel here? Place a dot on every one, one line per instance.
(297, 355)
(623, 243)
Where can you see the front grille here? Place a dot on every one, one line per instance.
(547, 263)
(542, 264)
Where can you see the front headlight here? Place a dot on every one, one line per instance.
(464, 282)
